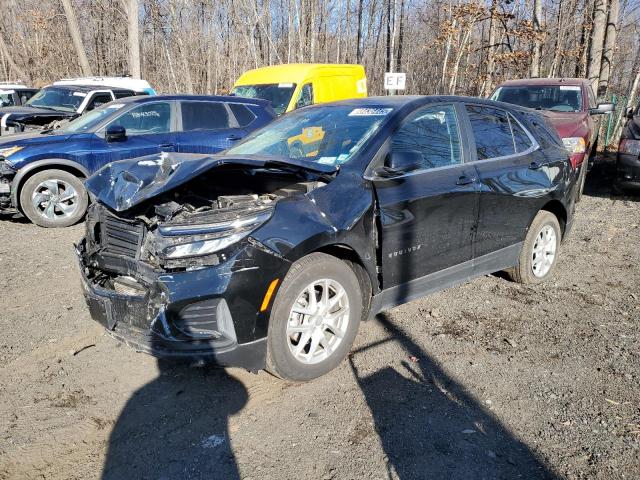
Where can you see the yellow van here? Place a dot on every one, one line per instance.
(297, 85)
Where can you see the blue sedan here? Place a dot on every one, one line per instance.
(42, 174)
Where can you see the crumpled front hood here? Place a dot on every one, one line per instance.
(124, 184)
(568, 124)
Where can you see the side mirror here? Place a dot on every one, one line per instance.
(400, 162)
(115, 133)
(629, 113)
(603, 108)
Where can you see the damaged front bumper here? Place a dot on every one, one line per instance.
(7, 173)
(210, 313)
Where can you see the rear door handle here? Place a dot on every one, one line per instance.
(167, 145)
(465, 180)
(534, 166)
(234, 138)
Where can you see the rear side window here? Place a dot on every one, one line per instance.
(204, 116)
(122, 94)
(306, 96)
(244, 116)
(520, 137)
(491, 131)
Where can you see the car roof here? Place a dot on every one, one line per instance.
(526, 82)
(87, 88)
(398, 101)
(210, 98)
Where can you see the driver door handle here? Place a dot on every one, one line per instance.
(465, 180)
(234, 138)
(167, 145)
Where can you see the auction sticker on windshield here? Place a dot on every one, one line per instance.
(370, 112)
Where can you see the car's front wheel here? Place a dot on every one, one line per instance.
(53, 198)
(315, 318)
(539, 253)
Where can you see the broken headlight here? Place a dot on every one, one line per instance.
(193, 240)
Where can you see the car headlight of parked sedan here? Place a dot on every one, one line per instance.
(7, 152)
(575, 144)
(629, 147)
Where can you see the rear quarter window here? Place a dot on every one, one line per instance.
(546, 135)
(244, 115)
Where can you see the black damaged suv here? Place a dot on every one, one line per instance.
(269, 257)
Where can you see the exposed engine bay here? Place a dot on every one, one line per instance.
(191, 226)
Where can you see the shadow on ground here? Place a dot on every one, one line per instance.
(176, 427)
(431, 428)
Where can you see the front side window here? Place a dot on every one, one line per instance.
(279, 94)
(433, 132)
(90, 120)
(306, 96)
(330, 135)
(149, 118)
(54, 98)
(491, 131)
(204, 116)
(557, 98)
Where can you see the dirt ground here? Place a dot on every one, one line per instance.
(488, 380)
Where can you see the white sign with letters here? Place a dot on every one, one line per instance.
(395, 81)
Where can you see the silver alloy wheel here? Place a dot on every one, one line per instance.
(544, 251)
(55, 199)
(318, 321)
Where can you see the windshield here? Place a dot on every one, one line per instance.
(557, 98)
(279, 94)
(330, 135)
(58, 99)
(87, 122)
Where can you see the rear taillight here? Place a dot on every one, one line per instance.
(629, 147)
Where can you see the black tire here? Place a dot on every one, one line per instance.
(281, 361)
(582, 179)
(524, 271)
(37, 214)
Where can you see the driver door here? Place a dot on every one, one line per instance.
(428, 216)
(150, 129)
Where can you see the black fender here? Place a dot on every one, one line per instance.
(37, 165)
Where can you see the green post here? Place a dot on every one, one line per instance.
(609, 121)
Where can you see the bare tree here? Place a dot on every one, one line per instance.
(597, 42)
(132, 8)
(611, 35)
(76, 37)
(537, 44)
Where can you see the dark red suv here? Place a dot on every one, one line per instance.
(569, 104)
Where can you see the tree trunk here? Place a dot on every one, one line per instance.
(537, 44)
(488, 83)
(609, 44)
(12, 65)
(133, 37)
(76, 38)
(359, 34)
(597, 43)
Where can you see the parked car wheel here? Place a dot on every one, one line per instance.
(539, 253)
(53, 198)
(582, 180)
(315, 318)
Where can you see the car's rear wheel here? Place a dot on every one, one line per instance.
(539, 253)
(53, 198)
(315, 318)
